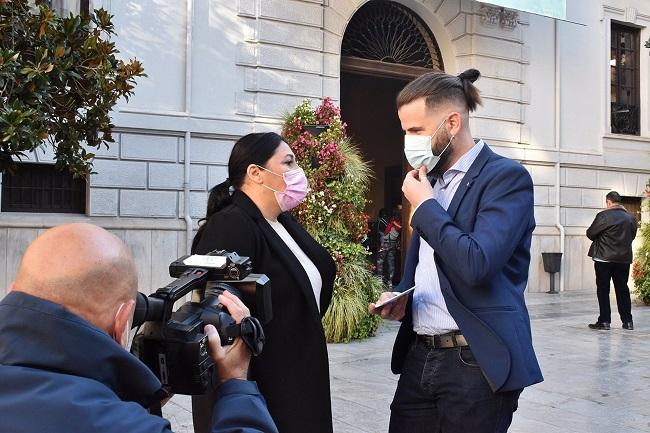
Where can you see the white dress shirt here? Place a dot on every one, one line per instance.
(430, 314)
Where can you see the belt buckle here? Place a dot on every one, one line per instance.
(448, 340)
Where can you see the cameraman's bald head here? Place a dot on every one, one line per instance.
(82, 267)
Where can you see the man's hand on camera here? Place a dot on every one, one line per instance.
(232, 361)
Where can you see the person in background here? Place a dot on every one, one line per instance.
(249, 214)
(380, 259)
(612, 233)
(389, 246)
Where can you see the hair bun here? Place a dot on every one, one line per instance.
(470, 75)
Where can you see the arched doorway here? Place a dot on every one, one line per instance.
(385, 46)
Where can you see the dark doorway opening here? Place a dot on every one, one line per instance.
(385, 46)
(368, 107)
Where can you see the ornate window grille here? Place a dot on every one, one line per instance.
(624, 67)
(388, 32)
(42, 188)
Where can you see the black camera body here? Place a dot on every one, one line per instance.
(173, 344)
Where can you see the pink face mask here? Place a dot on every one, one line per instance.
(295, 191)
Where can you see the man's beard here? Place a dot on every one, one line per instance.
(441, 143)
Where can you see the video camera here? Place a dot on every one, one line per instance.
(173, 345)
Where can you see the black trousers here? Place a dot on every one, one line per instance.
(618, 273)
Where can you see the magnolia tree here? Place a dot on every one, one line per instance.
(59, 80)
(333, 213)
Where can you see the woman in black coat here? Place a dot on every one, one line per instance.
(248, 214)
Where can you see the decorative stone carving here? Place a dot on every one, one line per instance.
(509, 18)
(489, 15)
(493, 16)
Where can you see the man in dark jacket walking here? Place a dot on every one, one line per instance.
(64, 327)
(612, 233)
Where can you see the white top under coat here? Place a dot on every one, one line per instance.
(312, 271)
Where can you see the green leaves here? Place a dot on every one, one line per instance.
(333, 213)
(59, 80)
(641, 265)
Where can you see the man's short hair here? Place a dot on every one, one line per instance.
(439, 88)
(613, 196)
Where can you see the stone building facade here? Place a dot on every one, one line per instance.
(219, 69)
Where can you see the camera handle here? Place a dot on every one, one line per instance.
(251, 332)
(180, 287)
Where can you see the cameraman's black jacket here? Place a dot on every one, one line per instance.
(612, 233)
(59, 373)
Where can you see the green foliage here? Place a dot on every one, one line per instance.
(641, 264)
(59, 80)
(333, 212)
(643, 290)
(347, 317)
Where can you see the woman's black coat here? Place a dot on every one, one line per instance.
(293, 370)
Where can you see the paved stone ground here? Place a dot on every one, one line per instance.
(595, 381)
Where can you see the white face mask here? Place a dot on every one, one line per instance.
(418, 151)
(123, 340)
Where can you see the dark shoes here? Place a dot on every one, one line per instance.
(604, 326)
(600, 325)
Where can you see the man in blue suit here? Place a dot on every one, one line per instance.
(464, 349)
(64, 327)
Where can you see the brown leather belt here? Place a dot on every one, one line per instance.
(443, 341)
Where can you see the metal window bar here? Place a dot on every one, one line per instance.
(42, 188)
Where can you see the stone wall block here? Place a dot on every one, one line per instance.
(119, 174)
(148, 203)
(103, 202)
(149, 147)
(291, 35)
(290, 58)
(139, 243)
(171, 176)
(581, 177)
(292, 11)
(208, 150)
(164, 249)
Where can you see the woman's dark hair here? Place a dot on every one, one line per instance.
(439, 88)
(256, 148)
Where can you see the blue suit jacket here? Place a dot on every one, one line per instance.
(482, 253)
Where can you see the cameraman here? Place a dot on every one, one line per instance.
(64, 328)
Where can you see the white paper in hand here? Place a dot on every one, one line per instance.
(397, 296)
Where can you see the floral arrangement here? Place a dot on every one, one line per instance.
(641, 264)
(333, 213)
